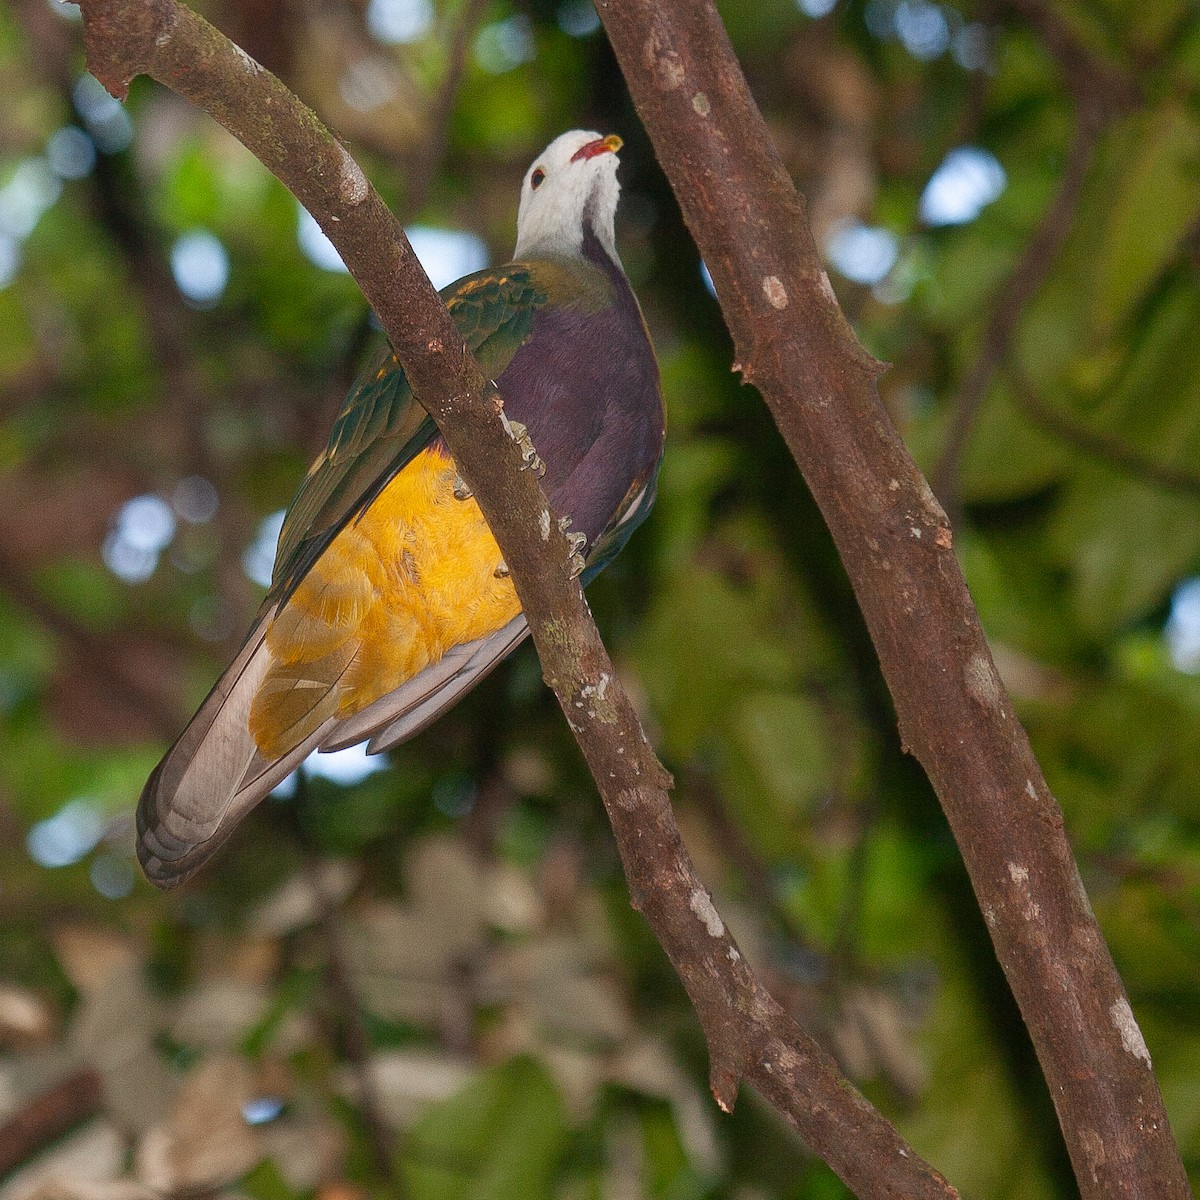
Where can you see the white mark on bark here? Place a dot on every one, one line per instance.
(701, 904)
(775, 292)
(1126, 1025)
(544, 524)
(1030, 789)
(246, 61)
(983, 683)
(352, 186)
(1019, 873)
(664, 62)
(701, 105)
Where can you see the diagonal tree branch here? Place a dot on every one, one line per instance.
(748, 1035)
(896, 545)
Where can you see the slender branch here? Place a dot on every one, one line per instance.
(97, 654)
(895, 542)
(1100, 93)
(1104, 448)
(437, 130)
(47, 1116)
(748, 1034)
(1009, 304)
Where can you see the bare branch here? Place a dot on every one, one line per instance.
(49, 1115)
(748, 1034)
(1102, 447)
(895, 542)
(1100, 93)
(1009, 304)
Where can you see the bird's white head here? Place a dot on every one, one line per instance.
(572, 183)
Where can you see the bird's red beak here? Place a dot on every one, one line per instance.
(604, 145)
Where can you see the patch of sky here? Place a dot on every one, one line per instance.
(112, 876)
(446, 254)
(346, 767)
(967, 181)
(66, 837)
(10, 259)
(923, 28)
(195, 499)
(200, 266)
(105, 118)
(258, 561)
(972, 47)
(397, 22)
(314, 245)
(816, 8)
(262, 1110)
(1182, 630)
(578, 18)
(706, 277)
(70, 152)
(141, 531)
(30, 190)
(367, 84)
(862, 253)
(504, 45)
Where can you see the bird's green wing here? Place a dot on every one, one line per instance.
(382, 427)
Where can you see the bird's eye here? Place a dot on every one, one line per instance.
(537, 179)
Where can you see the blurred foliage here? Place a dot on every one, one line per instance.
(429, 982)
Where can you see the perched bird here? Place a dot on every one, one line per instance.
(389, 598)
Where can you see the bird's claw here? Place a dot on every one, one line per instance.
(575, 543)
(502, 571)
(530, 459)
(461, 489)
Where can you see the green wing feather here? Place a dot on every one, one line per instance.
(381, 427)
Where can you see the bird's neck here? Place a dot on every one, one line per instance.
(592, 239)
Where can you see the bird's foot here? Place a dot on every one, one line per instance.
(502, 571)
(575, 543)
(530, 459)
(461, 490)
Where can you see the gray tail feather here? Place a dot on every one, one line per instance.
(213, 775)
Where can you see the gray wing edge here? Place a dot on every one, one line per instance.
(414, 705)
(213, 775)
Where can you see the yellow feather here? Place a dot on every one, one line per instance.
(415, 575)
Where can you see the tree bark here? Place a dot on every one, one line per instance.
(795, 345)
(749, 1036)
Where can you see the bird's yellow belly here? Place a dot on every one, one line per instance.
(415, 575)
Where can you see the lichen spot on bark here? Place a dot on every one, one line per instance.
(983, 684)
(664, 62)
(775, 292)
(700, 902)
(1126, 1025)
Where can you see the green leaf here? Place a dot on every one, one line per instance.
(1155, 202)
(501, 1137)
(266, 1182)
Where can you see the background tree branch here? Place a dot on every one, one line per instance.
(955, 716)
(748, 1034)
